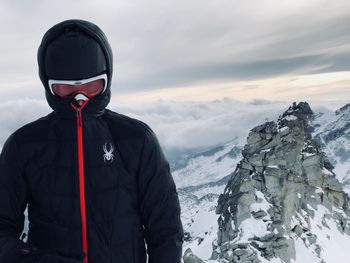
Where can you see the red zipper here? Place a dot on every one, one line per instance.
(79, 121)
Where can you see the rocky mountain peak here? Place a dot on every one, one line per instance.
(282, 197)
(301, 110)
(345, 108)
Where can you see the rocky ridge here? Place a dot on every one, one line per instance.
(282, 197)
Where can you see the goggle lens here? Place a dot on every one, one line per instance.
(90, 89)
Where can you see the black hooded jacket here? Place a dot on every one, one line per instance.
(95, 181)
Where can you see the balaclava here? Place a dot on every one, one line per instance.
(72, 50)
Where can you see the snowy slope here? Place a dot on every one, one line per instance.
(207, 166)
(332, 132)
(200, 178)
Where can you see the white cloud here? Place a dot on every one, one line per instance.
(179, 125)
(197, 124)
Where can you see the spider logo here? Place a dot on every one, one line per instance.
(108, 154)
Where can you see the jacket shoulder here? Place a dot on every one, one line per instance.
(126, 126)
(33, 131)
(16, 144)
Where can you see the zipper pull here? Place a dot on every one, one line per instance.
(79, 116)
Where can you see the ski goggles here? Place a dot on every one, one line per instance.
(68, 88)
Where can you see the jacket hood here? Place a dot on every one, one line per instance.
(92, 39)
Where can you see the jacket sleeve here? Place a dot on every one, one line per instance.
(159, 204)
(12, 202)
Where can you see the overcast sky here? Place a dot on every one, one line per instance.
(166, 44)
(196, 50)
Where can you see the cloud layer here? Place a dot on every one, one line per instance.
(180, 126)
(160, 44)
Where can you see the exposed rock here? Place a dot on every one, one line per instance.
(189, 257)
(283, 180)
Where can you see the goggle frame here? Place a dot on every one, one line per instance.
(78, 82)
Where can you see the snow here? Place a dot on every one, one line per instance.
(319, 190)
(290, 118)
(252, 227)
(200, 220)
(283, 128)
(326, 172)
(334, 245)
(342, 171)
(264, 260)
(299, 219)
(307, 154)
(261, 204)
(205, 190)
(335, 249)
(304, 254)
(208, 222)
(204, 219)
(309, 207)
(205, 169)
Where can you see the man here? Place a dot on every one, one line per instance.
(97, 184)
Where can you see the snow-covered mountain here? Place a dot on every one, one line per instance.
(331, 130)
(278, 200)
(210, 165)
(200, 178)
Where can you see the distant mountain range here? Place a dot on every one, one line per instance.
(281, 197)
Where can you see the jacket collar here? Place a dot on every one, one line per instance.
(95, 107)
